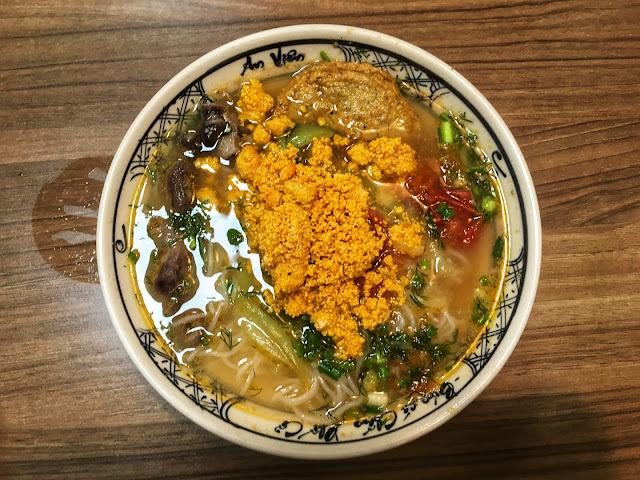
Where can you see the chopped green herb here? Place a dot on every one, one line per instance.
(433, 230)
(205, 340)
(484, 281)
(227, 337)
(416, 299)
(417, 281)
(481, 168)
(324, 56)
(471, 138)
(329, 368)
(335, 368)
(404, 382)
(463, 117)
(191, 225)
(133, 256)
(480, 313)
(424, 264)
(383, 372)
(234, 236)
(445, 210)
(372, 409)
(310, 343)
(498, 248)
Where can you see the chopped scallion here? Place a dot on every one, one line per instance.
(498, 248)
(446, 133)
(133, 256)
(383, 372)
(488, 204)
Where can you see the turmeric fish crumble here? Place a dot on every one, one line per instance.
(312, 225)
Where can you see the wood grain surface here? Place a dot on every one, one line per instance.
(565, 77)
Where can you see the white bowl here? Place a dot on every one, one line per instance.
(284, 50)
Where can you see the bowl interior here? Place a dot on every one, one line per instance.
(283, 51)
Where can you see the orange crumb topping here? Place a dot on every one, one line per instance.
(254, 102)
(311, 226)
(386, 157)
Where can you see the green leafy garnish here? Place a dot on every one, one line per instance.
(423, 341)
(205, 340)
(480, 313)
(324, 56)
(498, 248)
(445, 210)
(417, 299)
(234, 236)
(417, 281)
(311, 345)
(463, 117)
(372, 409)
(227, 337)
(133, 256)
(192, 224)
(433, 230)
(335, 368)
(484, 281)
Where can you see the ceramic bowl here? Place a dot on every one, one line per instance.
(285, 50)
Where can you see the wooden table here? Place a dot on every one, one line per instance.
(563, 74)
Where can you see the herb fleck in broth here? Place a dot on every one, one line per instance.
(230, 314)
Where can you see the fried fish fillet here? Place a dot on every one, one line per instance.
(354, 99)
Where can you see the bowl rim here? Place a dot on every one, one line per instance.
(202, 67)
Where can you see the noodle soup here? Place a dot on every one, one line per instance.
(329, 244)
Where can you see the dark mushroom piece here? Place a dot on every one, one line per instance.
(171, 277)
(161, 233)
(180, 186)
(187, 329)
(214, 124)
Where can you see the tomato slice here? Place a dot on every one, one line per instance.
(464, 226)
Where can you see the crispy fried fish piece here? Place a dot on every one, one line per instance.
(354, 99)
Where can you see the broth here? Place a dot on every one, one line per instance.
(206, 289)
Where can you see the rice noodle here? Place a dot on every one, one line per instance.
(351, 383)
(312, 418)
(359, 365)
(214, 309)
(336, 396)
(212, 353)
(209, 259)
(252, 374)
(445, 325)
(293, 401)
(412, 322)
(228, 363)
(339, 410)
